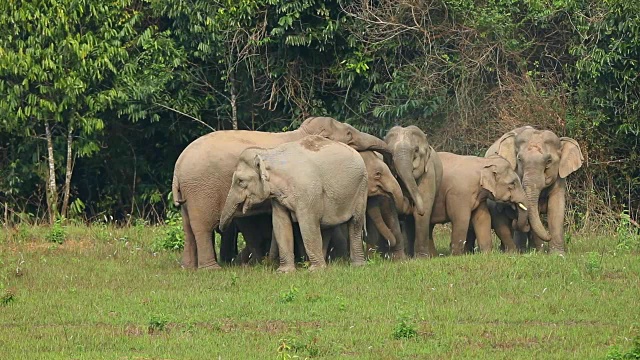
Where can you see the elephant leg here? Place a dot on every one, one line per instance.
(481, 221)
(355, 239)
(459, 229)
(409, 232)
(190, 252)
(502, 225)
(470, 242)
(283, 231)
(298, 245)
(372, 239)
(555, 216)
(312, 240)
(229, 243)
(521, 240)
(252, 236)
(327, 241)
(202, 227)
(273, 248)
(424, 245)
(340, 242)
(391, 219)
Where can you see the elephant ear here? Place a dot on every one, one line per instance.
(488, 178)
(262, 168)
(505, 147)
(570, 157)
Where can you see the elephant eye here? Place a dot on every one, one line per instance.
(241, 183)
(378, 174)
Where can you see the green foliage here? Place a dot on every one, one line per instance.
(631, 354)
(405, 329)
(57, 233)
(157, 323)
(289, 295)
(593, 263)
(628, 235)
(7, 296)
(172, 238)
(114, 81)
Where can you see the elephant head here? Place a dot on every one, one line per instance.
(380, 180)
(540, 158)
(249, 185)
(503, 183)
(334, 130)
(411, 152)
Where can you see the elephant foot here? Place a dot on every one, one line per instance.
(358, 263)
(213, 266)
(557, 251)
(422, 254)
(317, 267)
(398, 256)
(189, 266)
(286, 269)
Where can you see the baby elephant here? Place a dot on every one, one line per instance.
(467, 182)
(315, 181)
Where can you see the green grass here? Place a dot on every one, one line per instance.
(104, 294)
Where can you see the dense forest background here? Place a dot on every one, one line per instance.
(98, 99)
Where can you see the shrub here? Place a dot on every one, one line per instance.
(172, 238)
(56, 234)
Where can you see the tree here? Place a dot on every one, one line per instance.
(60, 62)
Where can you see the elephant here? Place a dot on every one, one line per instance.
(419, 169)
(508, 212)
(381, 184)
(467, 182)
(203, 171)
(384, 233)
(300, 180)
(543, 161)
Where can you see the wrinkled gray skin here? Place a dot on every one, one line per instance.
(300, 180)
(543, 161)
(202, 178)
(384, 233)
(506, 211)
(381, 184)
(467, 182)
(419, 169)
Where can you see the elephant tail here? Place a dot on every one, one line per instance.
(175, 190)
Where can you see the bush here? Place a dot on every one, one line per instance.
(57, 234)
(172, 238)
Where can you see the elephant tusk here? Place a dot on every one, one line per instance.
(521, 206)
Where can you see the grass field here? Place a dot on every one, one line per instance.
(104, 294)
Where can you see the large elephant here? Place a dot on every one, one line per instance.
(381, 184)
(420, 171)
(543, 161)
(300, 180)
(467, 182)
(202, 177)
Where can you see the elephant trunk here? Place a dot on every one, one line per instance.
(230, 208)
(375, 215)
(522, 222)
(366, 142)
(394, 189)
(532, 191)
(404, 167)
(519, 199)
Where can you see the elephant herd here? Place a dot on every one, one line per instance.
(321, 190)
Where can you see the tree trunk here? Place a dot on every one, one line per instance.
(67, 179)
(52, 192)
(234, 106)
